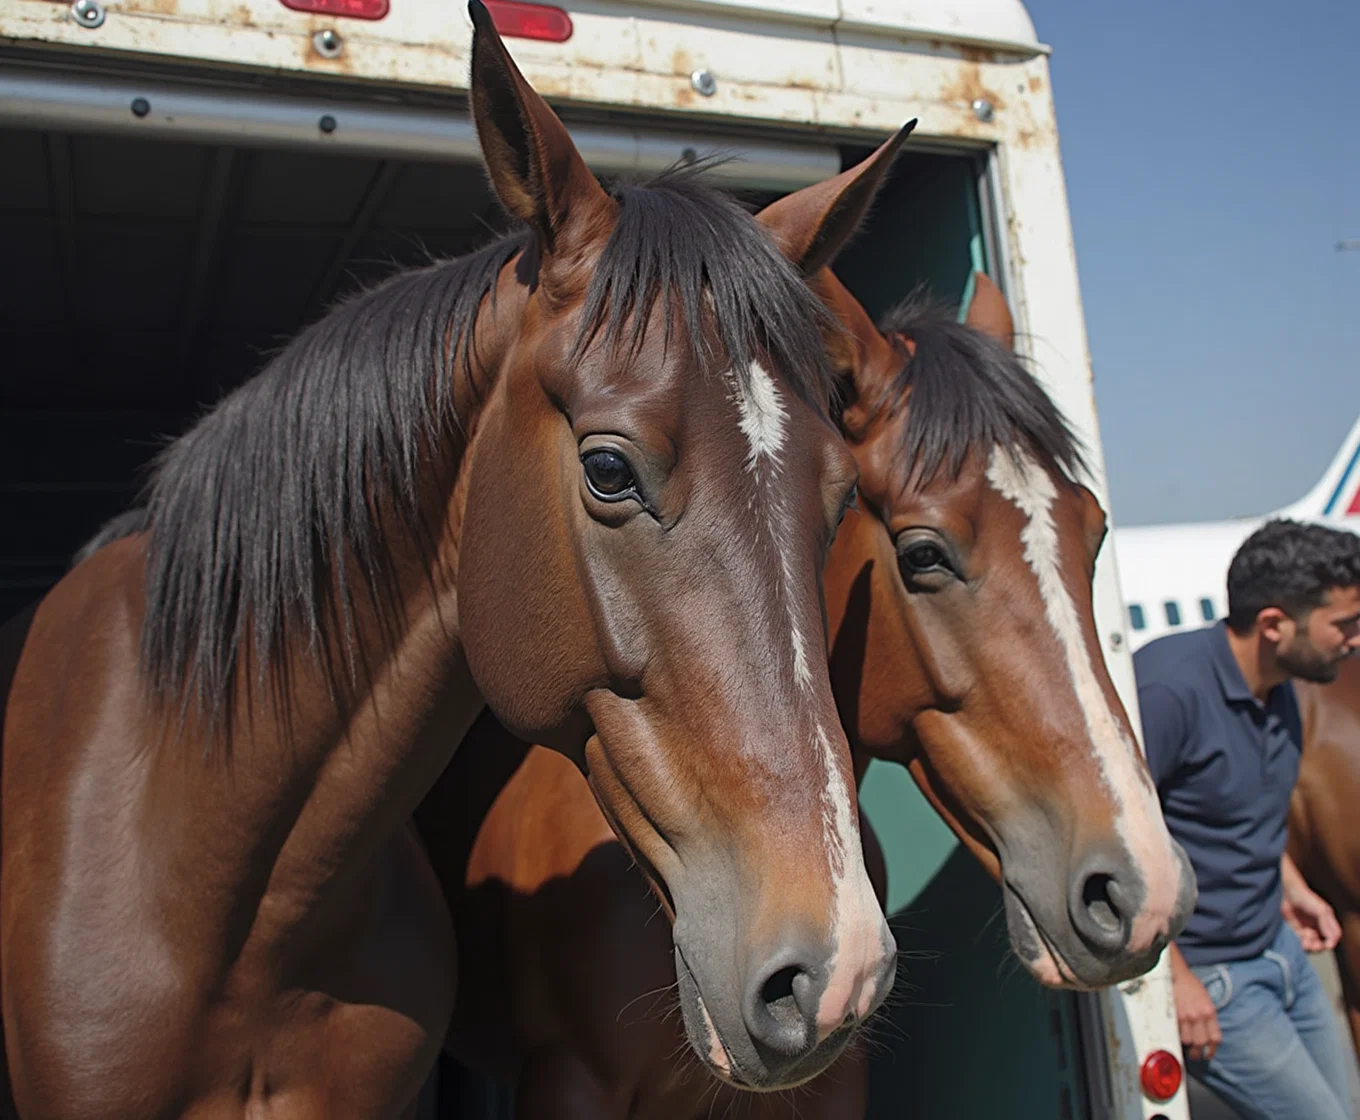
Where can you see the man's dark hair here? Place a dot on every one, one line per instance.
(1291, 566)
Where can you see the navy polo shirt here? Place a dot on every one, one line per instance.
(1225, 765)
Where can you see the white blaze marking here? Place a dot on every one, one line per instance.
(1020, 480)
(857, 930)
(801, 673)
(764, 421)
(763, 416)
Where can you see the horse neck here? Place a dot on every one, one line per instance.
(343, 776)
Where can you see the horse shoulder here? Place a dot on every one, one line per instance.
(1324, 839)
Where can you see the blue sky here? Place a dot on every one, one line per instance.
(1212, 153)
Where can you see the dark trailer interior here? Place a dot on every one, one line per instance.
(143, 277)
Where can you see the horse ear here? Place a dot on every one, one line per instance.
(535, 168)
(812, 224)
(988, 312)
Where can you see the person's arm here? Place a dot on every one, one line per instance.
(1307, 911)
(1200, 1032)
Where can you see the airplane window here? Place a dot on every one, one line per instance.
(1173, 613)
(1136, 619)
(1206, 608)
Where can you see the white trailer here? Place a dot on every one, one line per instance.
(184, 182)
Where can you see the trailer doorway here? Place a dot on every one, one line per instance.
(141, 279)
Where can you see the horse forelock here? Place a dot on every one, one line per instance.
(968, 395)
(679, 238)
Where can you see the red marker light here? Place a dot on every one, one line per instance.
(1161, 1075)
(530, 21)
(353, 9)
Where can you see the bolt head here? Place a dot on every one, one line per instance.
(328, 43)
(88, 13)
(983, 110)
(704, 83)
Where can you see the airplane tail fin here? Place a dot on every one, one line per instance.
(1337, 493)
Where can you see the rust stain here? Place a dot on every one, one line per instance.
(968, 86)
(553, 87)
(977, 54)
(313, 60)
(681, 62)
(151, 7)
(812, 84)
(1036, 83)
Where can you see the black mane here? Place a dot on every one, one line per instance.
(969, 394)
(299, 483)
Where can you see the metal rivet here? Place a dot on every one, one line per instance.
(326, 124)
(689, 155)
(140, 106)
(983, 110)
(704, 82)
(1116, 640)
(328, 43)
(88, 13)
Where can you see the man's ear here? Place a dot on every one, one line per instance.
(1275, 625)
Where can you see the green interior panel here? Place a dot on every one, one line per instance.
(970, 1035)
(925, 228)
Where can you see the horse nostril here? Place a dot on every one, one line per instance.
(1095, 896)
(782, 1016)
(1101, 913)
(779, 987)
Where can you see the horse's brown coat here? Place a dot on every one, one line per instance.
(1324, 841)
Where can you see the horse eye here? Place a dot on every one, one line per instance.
(608, 475)
(924, 557)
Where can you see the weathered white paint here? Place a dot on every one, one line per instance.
(846, 73)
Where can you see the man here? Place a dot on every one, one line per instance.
(1222, 732)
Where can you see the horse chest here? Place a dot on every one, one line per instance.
(136, 1016)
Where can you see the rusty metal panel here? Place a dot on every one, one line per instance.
(795, 66)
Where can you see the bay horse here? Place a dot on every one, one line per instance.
(962, 645)
(1324, 841)
(584, 477)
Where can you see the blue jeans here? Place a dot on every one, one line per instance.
(1282, 1057)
